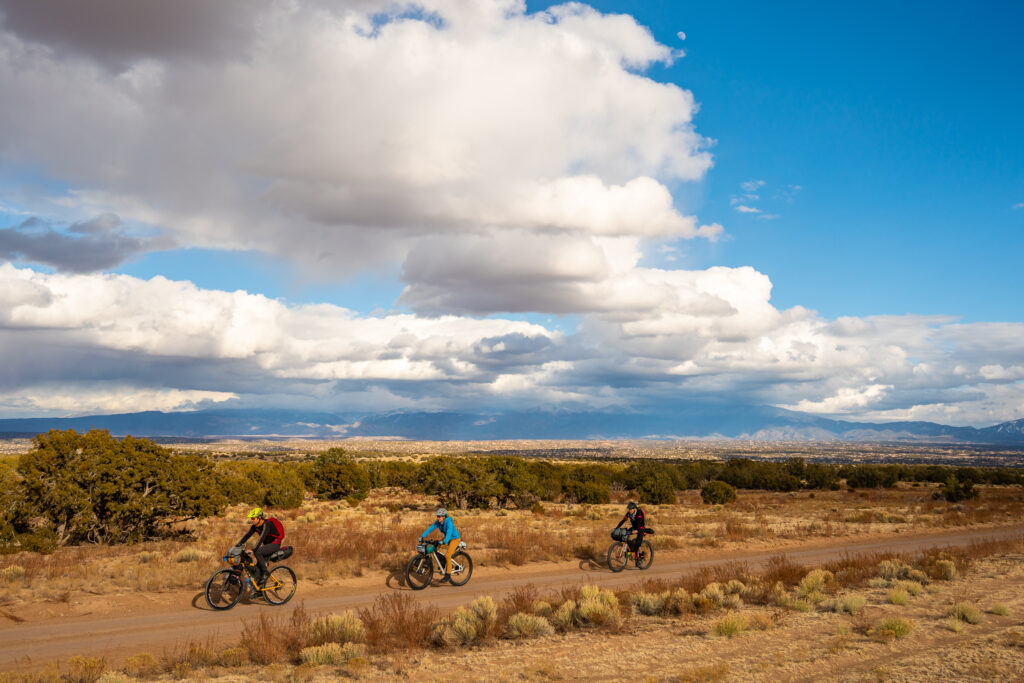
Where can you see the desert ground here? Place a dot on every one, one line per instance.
(137, 612)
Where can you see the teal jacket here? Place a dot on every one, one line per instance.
(448, 529)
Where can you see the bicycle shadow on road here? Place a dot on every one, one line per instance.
(199, 601)
(396, 580)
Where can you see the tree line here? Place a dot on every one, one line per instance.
(92, 488)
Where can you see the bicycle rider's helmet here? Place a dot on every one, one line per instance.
(441, 512)
(631, 506)
(255, 512)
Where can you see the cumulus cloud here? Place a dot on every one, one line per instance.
(508, 161)
(94, 341)
(386, 125)
(86, 246)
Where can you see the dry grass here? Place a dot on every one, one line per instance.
(397, 622)
(334, 540)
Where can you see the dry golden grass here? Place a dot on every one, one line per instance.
(334, 540)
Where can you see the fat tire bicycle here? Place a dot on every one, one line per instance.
(419, 571)
(226, 586)
(619, 553)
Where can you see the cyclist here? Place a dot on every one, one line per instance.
(637, 519)
(451, 535)
(270, 534)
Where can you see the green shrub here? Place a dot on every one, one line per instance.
(954, 491)
(586, 492)
(656, 489)
(717, 493)
(1001, 610)
(94, 488)
(521, 625)
(338, 476)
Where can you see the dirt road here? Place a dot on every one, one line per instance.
(172, 620)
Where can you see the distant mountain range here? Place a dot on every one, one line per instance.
(704, 420)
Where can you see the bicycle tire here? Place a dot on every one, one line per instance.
(646, 556)
(279, 595)
(617, 557)
(419, 572)
(461, 578)
(223, 589)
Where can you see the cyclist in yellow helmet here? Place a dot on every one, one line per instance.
(270, 534)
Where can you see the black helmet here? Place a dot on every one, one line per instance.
(631, 506)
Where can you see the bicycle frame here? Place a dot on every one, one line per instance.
(440, 566)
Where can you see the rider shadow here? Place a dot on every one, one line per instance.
(589, 565)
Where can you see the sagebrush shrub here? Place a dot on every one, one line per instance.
(898, 596)
(647, 604)
(346, 627)
(730, 625)
(946, 570)
(521, 625)
(894, 628)
(321, 655)
(965, 611)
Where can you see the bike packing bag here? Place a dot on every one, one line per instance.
(282, 554)
(620, 534)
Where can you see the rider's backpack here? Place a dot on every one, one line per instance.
(282, 554)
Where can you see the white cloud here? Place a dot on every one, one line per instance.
(752, 185)
(101, 342)
(1019, 205)
(346, 136)
(743, 208)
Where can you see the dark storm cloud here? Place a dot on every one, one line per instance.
(116, 33)
(88, 246)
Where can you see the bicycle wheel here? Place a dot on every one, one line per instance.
(645, 556)
(461, 576)
(223, 589)
(419, 572)
(617, 557)
(280, 585)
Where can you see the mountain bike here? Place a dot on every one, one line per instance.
(225, 587)
(419, 572)
(619, 553)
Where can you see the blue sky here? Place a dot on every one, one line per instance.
(900, 124)
(817, 207)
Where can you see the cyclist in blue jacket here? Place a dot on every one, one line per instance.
(451, 537)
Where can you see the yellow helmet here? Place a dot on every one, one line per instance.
(255, 512)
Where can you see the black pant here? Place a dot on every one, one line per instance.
(262, 553)
(634, 542)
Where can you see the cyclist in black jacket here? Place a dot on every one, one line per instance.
(271, 533)
(638, 521)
